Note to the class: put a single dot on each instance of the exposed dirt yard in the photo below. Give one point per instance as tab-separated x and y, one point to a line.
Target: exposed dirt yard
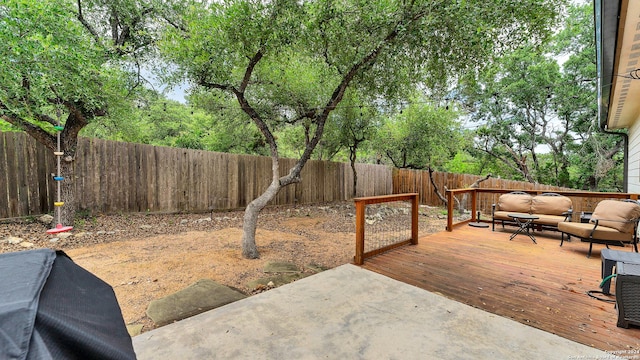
146	257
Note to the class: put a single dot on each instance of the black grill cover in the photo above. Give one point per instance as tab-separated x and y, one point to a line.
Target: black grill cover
51	308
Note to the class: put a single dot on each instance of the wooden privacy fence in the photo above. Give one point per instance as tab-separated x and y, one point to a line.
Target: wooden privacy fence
125	177
409	181
116	177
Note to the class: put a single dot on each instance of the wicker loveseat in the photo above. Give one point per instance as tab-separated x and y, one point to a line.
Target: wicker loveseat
613	222
550	208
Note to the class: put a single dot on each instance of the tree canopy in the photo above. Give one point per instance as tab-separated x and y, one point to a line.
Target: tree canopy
421	136
68	62
290	62
537	116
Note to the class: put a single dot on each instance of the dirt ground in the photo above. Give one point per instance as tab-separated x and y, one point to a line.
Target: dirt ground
146	257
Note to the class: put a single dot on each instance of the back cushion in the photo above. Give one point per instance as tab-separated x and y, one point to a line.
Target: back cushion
550	205
515	202
618	212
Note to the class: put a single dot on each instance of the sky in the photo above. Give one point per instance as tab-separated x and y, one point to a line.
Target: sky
177	93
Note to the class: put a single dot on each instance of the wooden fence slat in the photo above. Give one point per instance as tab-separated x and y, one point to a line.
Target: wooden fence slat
113	191
222	171
160	179
22	177
88	179
102	183
32	181
12	176
4	176
123	158
137	176
233	166
151	179
44	160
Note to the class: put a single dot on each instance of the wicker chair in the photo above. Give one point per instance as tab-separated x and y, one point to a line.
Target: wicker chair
613	222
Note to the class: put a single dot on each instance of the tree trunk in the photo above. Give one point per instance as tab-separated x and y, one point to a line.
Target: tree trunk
69	147
352	157
442	197
435	187
355	178
250	223
65	214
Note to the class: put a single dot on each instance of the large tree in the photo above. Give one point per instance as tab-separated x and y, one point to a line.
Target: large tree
69	62
538	114
291	62
597	160
515	106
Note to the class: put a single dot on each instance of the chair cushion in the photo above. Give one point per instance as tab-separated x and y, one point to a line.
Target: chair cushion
515	203
583	231
616	214
549	220
504	215
550	205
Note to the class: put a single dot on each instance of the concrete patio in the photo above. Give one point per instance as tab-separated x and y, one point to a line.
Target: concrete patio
352	313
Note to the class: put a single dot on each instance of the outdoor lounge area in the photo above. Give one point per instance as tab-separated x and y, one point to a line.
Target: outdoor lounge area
537	276
541	285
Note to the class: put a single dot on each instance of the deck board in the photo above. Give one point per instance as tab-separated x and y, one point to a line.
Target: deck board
541	285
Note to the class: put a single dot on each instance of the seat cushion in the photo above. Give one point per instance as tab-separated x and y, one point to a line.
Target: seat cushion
550	205
583	230
504	215
548	220
616	214
515	203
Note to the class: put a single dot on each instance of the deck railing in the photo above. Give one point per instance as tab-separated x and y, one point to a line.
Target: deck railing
361	234
480	200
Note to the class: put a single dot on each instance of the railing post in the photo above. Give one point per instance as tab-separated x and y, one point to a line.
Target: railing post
359	258
474	205
449	210
414	219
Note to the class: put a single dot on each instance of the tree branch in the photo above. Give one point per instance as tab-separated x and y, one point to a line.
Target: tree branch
521	163
36	132
244	103
476	184
223	87
86	24
177	26
501	158
125	34
46	118
614	150
435	187
395	164
249	71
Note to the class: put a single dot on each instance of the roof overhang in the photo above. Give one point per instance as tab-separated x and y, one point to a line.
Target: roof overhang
617	28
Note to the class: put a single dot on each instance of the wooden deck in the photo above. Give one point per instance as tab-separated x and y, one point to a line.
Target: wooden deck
541	285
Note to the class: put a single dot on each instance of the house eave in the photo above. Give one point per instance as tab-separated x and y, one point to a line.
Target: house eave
617	31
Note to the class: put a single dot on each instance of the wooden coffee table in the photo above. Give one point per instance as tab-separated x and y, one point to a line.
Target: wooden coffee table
524	225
